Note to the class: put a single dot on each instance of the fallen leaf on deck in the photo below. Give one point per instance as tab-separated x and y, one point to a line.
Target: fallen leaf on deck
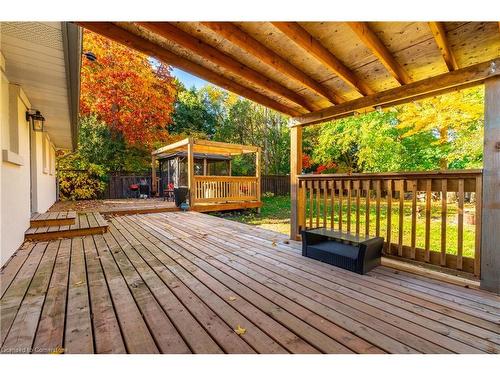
231	298
274	243
240	331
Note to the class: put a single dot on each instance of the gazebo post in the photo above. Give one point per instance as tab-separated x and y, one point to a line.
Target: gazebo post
490	235
190	152
257	174
295	170
154	183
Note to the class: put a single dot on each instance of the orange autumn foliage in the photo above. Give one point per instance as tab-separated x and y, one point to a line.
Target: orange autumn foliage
129	91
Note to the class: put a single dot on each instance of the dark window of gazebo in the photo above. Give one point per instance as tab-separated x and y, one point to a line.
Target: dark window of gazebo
218	167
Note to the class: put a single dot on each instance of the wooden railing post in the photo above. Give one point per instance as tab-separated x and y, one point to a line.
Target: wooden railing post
295	170
490	235
191	186
257	174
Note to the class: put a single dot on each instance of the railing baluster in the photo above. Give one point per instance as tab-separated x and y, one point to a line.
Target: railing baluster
341	196
349	197
377	209
444	214
357	186
389	216
428	198
325	198
413	217
311	196
317	188
331	184
401	216
366	185
460	229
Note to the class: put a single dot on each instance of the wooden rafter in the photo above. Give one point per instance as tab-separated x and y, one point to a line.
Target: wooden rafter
372	41
461	78
133	41
240	38
306	41
439	32
206	51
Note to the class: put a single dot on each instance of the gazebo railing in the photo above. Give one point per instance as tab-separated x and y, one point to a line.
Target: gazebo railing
429	217
209	189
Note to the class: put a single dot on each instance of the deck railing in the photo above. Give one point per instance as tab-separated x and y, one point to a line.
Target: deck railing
440	222
225	189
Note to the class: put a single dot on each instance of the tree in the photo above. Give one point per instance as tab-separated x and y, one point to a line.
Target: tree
129	91
455	119
435	133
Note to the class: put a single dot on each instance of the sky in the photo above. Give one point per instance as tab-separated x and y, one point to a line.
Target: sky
187	79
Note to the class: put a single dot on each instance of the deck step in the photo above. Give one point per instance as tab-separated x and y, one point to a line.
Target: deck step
50	219
84	224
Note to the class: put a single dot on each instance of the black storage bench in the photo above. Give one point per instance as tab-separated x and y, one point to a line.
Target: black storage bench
358	254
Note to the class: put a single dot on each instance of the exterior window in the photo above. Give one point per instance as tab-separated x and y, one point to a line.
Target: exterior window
198	167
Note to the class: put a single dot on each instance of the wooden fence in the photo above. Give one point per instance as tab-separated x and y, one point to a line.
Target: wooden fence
371	204
276	184
119	184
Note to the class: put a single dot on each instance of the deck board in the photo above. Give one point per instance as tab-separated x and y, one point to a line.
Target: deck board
178	282
80	224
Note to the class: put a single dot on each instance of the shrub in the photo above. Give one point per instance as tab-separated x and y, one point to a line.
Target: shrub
78	185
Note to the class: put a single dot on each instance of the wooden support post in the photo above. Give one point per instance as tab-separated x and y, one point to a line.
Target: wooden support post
154	180
490	235
295	170
191	187
257	174
205	170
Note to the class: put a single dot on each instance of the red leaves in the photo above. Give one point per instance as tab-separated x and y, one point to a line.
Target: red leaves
127	90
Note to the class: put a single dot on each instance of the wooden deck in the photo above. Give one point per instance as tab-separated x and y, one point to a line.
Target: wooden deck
188	282
82	224
49	219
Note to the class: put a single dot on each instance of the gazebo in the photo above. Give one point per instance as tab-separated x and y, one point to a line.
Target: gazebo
204	168
321	71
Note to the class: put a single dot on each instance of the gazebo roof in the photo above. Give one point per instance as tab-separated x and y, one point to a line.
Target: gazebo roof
316	71
202	146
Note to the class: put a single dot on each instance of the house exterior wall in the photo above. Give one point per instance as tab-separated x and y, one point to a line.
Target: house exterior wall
16	203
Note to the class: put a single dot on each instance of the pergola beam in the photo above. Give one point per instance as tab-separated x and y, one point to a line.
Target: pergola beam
465	77
212	54
372	41
306	41
439	32
120	35
247	43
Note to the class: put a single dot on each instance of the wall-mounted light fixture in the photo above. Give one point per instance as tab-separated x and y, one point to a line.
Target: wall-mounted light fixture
35	119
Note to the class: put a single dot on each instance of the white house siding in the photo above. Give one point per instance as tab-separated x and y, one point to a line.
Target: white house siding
15	204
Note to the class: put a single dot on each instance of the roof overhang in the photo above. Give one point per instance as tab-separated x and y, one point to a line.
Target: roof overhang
318	71
202	146
44	58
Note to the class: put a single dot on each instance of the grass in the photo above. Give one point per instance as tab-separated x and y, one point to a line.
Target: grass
275	215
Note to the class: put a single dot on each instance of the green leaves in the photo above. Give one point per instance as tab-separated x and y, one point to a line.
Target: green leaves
444	130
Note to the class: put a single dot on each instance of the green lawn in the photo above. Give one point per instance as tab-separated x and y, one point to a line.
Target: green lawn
275	215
